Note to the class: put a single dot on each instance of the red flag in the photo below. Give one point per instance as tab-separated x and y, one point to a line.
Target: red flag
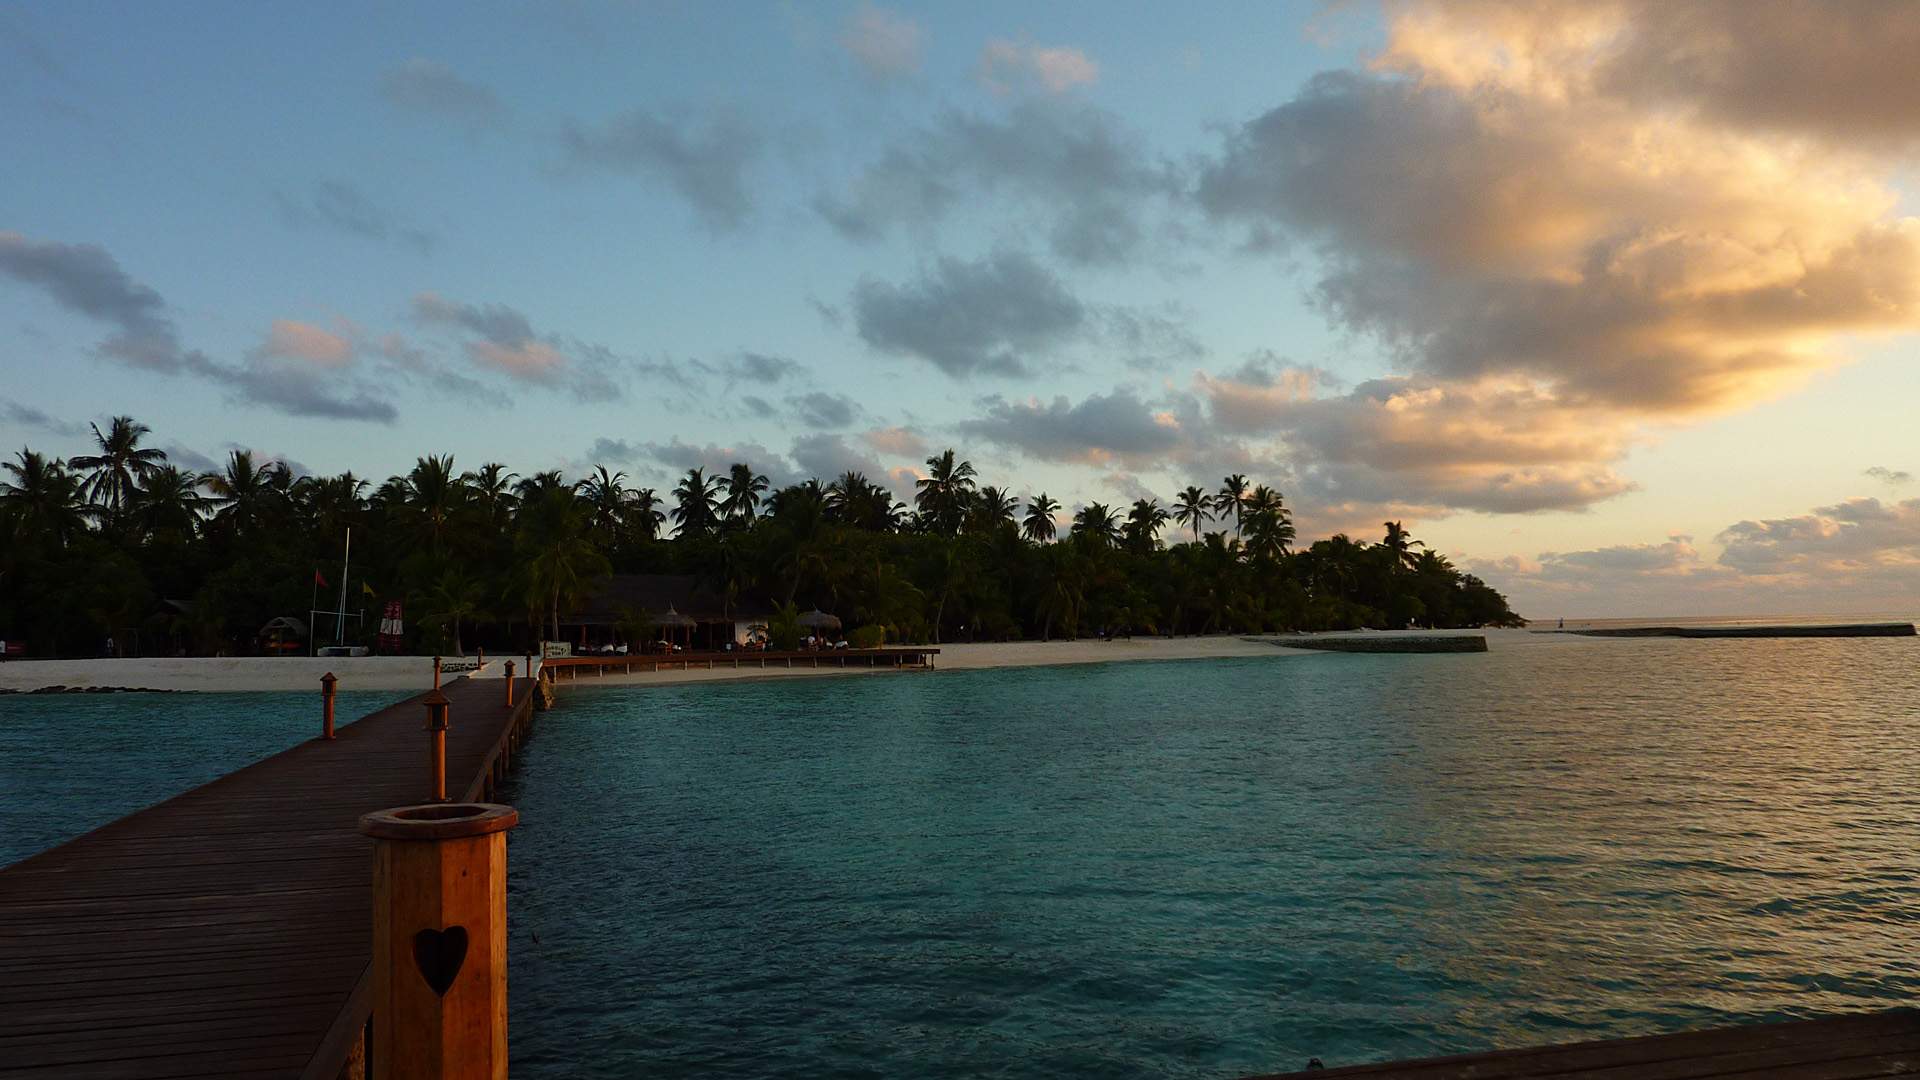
318	580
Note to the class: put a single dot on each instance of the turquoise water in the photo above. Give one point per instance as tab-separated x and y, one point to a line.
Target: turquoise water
73	762
1213	868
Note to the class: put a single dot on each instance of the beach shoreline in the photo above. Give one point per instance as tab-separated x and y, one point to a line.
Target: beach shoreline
270	673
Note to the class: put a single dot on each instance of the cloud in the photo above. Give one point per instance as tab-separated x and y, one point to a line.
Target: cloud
341	205
1006	69
431	89
501	339
884	45
1840	71
676	457
303	370
703	157
1079	170
1582	263
823	410
1889	476
190	459
762	368
86	280
1499	446
964	318
827	457
1097	430
1859	538
26	416
896	442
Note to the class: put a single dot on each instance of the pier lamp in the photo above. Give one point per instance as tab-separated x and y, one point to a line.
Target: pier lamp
327	682
437	705
509	684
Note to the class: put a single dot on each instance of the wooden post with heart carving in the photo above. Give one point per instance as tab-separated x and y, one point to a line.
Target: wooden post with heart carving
440	941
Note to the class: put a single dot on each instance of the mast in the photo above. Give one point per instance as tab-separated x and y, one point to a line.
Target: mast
340	623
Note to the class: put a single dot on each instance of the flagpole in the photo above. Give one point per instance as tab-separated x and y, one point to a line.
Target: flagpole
340	623
313	632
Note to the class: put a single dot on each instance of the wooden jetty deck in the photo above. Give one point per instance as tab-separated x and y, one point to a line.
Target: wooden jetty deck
571	667
227	931
1831	1048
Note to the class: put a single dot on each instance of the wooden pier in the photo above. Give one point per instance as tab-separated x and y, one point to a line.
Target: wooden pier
227	931
1831	1048
571	667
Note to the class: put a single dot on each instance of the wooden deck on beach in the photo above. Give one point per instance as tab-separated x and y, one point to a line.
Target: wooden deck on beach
1831	1048
571	667
227	931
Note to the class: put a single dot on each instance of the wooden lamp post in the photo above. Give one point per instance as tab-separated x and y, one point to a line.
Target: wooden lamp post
327	682
437	705
440	941
509	684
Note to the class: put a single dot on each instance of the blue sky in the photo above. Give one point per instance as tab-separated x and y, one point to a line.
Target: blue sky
1623	335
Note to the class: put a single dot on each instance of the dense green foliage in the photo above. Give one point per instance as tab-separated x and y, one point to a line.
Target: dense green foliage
123	545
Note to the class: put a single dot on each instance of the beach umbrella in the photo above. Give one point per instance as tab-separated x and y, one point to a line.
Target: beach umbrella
673	618
819	620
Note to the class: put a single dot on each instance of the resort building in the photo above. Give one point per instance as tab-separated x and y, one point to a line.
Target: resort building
634	609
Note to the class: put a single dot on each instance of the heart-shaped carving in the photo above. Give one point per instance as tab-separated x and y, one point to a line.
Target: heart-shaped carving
438	954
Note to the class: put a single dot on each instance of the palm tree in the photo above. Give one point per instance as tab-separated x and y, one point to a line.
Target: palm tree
991	508
643	513
430	500
1399	544
743	487
169	501
1232	499
608	498
455	598
1098	522
944	494
1193	507
247	495
47	497
559	559
1039	525
1269	523
854	500
694	508
1144	523
120	466
491	486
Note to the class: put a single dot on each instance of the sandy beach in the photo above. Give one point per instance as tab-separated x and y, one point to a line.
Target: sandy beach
229	674
968	657
222	674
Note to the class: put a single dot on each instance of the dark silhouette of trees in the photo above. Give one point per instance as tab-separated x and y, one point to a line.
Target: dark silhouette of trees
124	545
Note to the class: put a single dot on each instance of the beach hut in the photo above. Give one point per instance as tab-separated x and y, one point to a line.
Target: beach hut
673	620
283	633
817	621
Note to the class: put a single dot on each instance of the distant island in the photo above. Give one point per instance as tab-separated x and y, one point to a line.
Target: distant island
122	552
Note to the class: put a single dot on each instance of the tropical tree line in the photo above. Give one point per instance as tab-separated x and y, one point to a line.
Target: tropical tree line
124	545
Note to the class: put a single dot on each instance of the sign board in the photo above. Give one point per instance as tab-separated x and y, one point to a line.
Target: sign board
551	649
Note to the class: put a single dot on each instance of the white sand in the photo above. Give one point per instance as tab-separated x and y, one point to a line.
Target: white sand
976	656
213	675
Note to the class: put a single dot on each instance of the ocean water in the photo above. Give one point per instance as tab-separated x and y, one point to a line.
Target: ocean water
1214	868
73	762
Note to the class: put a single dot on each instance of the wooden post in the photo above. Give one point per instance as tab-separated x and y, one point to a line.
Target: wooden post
437	705
436	673
509	684
440	941
327	682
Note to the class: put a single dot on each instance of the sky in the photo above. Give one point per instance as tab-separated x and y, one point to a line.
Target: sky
1613	303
